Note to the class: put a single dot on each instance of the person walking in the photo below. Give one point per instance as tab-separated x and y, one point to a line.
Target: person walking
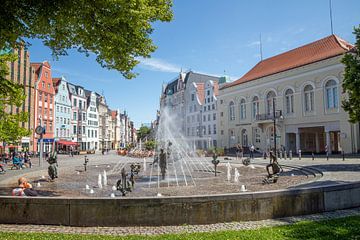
252	149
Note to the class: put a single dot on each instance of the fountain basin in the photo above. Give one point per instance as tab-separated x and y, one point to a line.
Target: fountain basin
178	210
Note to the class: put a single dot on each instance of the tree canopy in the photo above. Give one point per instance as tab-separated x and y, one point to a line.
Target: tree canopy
116	31
143	132
351	82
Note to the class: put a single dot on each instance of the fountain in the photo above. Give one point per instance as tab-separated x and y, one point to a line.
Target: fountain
99	181
228	167
105	178
236	175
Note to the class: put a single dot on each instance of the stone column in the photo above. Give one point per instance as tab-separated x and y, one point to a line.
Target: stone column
328	141
317	145
297	141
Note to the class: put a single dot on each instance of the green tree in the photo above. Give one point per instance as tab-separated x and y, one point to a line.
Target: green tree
150	145
351	83
11	97
116	31
143	132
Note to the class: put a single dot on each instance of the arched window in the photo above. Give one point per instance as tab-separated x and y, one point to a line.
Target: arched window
309	98
331	91
255	107
270	102
242	109
232	111
289	101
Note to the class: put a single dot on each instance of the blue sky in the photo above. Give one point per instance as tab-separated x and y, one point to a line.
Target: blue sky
208	36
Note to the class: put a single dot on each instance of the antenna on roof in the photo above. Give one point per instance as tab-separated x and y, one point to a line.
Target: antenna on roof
261	55
331	22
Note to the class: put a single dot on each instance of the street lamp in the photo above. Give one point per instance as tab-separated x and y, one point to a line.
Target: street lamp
274	121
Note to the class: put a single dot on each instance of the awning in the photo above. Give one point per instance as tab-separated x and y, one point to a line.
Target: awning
68	143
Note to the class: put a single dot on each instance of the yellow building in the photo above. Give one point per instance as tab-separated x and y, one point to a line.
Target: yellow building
302	88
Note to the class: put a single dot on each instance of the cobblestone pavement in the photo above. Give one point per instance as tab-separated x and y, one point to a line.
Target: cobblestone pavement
143	230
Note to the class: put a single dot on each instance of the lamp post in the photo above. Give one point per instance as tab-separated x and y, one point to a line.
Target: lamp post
274	122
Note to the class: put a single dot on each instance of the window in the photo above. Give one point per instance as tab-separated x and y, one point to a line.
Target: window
188	119
74	130
214	116
289	101
208	107
63	87
209	129
43	84
242	109
214	128
95	133
204	118
222	132
255	107
221	101
61	109
88	133
57	119
48	86
209	117
190	109
80	104
50	127
61	120
84	116
309	98
57	132
331	93
221	114
74	116
40	96
213	106
208	93
46	74
232	111
57	108
192	97
46	97
51	99
75	102
195	108
205	109
83	129
270	102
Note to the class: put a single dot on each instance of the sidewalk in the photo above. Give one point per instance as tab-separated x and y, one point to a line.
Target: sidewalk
144	230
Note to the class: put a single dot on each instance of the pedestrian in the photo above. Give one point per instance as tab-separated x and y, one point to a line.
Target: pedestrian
162	163
239	151
252	149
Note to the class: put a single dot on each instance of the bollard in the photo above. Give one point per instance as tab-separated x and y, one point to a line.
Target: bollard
264	155
312	155
343	155
299	154
285	155
290	154
327	156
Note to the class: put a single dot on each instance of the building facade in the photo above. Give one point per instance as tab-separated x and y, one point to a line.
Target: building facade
299	92
44	105
92	121
62	110
21	72
78	115
187	100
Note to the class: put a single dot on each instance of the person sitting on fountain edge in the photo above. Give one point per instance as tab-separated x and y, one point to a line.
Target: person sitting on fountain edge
24	189
162	163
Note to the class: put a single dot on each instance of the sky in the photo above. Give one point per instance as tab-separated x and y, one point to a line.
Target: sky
207	36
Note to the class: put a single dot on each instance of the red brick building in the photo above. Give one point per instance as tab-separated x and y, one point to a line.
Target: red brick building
44	104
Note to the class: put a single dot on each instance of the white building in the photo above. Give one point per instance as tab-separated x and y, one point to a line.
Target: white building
304	87
184	98
92	121
78	119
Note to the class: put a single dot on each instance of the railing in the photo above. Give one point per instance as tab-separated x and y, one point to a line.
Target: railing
266	116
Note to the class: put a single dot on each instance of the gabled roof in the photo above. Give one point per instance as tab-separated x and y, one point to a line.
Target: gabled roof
56	82
113	115
322	49
200	92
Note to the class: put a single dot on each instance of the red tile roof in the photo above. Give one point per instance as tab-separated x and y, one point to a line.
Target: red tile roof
200	92
113	115
56	82
322	49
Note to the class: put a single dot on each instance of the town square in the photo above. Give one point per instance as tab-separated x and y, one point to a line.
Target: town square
180	120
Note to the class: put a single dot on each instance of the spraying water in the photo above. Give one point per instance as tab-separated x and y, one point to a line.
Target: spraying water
105	178
99	181
181	159
228	167
236	175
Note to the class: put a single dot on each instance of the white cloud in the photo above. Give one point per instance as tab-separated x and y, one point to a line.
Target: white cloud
159	65
255	43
